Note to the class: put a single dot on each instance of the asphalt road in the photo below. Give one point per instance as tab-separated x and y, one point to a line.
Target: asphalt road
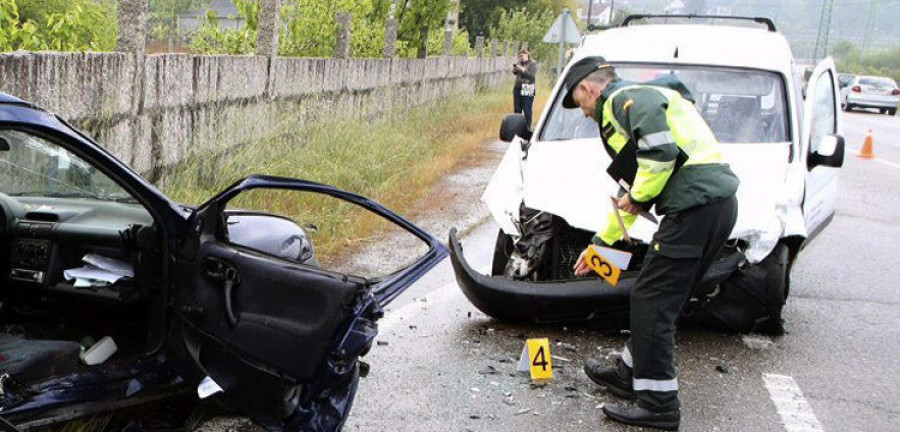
443	366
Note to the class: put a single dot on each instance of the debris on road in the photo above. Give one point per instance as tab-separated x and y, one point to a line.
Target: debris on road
567	346
382	343
757	342
562	359
722	369
524	411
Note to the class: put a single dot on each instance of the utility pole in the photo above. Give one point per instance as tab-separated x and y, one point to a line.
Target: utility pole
590	13
869	27
821	49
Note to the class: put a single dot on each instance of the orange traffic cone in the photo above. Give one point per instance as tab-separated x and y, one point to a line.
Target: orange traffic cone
866	151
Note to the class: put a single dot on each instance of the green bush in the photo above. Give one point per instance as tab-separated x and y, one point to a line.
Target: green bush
850	59
526	25
72	25
308	29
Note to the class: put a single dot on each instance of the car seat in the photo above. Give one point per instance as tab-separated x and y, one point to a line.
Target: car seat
28	360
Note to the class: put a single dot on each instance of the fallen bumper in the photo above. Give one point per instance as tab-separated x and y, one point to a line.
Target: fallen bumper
587	299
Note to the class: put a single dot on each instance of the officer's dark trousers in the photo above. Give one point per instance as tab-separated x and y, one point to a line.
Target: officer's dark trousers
682	250
523	104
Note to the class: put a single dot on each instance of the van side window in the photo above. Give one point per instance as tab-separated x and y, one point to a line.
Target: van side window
824	116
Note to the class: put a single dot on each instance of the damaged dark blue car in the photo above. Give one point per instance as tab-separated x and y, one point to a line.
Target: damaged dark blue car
114	296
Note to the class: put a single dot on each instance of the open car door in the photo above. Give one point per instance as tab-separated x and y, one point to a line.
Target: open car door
822	146
278	335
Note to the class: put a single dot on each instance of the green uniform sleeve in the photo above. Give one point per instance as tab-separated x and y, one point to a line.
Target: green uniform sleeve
612	232
642	114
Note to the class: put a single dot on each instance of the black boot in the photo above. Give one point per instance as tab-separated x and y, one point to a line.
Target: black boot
616	379
637	416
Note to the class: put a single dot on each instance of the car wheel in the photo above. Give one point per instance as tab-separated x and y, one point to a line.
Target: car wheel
892	111
777	267
502	251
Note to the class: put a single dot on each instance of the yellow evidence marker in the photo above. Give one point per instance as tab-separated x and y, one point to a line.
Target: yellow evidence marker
604	266
536	359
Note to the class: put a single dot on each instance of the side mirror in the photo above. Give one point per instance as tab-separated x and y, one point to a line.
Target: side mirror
830	153
514	125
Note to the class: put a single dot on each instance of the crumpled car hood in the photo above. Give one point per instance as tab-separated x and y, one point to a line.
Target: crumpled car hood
568	179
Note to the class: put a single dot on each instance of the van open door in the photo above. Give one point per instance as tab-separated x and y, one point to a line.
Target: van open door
822	146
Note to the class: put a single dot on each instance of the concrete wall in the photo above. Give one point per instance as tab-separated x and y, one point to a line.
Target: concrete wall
152	112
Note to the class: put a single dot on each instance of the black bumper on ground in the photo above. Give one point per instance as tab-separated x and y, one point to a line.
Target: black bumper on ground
587	299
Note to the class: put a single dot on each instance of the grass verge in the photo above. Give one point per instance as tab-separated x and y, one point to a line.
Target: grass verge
395	161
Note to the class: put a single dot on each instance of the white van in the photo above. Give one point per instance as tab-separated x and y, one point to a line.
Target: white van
785	149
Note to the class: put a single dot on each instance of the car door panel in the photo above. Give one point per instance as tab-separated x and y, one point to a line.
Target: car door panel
279	336
285	313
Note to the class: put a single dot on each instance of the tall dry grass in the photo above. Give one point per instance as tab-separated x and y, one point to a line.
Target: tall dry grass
395	162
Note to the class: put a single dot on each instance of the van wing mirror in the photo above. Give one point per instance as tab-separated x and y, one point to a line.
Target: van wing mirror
830	153
514	125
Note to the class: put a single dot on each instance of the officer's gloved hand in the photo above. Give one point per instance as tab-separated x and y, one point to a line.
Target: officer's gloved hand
623	245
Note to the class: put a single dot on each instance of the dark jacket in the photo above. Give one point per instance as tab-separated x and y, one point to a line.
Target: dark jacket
526	76
643	112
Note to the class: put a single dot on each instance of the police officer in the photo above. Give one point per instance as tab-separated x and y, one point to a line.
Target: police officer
677	166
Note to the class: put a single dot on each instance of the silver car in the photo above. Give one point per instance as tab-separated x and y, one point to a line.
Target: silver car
871	92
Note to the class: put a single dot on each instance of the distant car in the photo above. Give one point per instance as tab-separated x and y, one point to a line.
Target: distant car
233	300
550	193
880	93
844	79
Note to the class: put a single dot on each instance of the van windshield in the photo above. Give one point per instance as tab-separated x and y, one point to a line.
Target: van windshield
740	106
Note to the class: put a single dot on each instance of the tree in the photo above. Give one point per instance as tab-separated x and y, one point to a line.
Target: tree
417	19
59	25
482	16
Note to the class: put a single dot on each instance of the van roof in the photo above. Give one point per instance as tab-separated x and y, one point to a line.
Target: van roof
692	44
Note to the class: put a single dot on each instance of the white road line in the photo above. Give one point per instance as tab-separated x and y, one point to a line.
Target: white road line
878	159
793	408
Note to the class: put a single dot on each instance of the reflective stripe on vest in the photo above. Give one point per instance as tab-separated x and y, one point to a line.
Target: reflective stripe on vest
686	128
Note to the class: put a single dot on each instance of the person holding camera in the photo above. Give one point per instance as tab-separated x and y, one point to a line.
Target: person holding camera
525	69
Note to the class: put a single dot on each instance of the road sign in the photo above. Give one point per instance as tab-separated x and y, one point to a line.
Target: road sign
563	30
536	359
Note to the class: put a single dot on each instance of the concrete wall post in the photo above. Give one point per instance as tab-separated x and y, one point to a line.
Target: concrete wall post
495	48
267	35
133	16
448	43
342	30
479	46
390	38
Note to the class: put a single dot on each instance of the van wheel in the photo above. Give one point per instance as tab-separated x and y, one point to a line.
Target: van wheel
777	267
502	251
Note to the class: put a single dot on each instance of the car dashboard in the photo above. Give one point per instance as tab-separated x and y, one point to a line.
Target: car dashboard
46	236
